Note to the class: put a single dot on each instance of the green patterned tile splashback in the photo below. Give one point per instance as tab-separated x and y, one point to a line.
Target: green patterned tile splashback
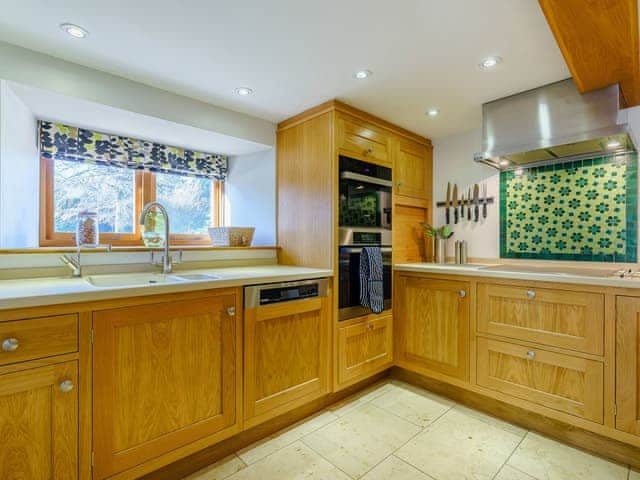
581	210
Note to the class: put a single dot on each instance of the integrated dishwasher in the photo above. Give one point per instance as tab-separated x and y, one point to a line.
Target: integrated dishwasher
287	343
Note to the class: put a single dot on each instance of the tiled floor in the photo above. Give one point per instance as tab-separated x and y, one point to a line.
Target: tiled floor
398	432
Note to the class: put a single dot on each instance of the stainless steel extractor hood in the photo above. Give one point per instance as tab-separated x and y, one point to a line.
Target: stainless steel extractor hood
551	124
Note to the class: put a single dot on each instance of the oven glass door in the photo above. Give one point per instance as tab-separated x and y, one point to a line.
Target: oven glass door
364	204
349	282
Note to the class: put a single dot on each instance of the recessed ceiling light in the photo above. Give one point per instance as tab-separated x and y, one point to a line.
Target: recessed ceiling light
74	30
243	91
362	74
504	162
433	112
490	62
613	144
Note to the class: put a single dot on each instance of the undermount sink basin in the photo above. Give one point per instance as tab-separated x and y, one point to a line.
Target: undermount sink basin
139	279
131	279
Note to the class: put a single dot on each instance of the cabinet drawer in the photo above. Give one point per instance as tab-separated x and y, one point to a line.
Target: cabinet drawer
364	348
564	319
562	382
363	142
38	338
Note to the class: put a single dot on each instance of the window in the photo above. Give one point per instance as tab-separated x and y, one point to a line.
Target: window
117	195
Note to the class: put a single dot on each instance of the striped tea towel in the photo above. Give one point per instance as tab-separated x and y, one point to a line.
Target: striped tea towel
371	287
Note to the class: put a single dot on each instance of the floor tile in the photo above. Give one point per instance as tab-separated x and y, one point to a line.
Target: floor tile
510	473
460	446
395	469
361	438
496	422
341	408
261	449
219	470
547	459
295	462
413	404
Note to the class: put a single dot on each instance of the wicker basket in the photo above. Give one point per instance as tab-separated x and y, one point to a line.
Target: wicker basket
231	236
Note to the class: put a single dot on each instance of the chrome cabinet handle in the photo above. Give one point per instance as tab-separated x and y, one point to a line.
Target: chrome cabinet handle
10	344
66	386
531	294
231	311
531	354
462	294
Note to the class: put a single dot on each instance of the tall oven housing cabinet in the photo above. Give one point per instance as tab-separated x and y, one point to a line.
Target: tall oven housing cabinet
323	204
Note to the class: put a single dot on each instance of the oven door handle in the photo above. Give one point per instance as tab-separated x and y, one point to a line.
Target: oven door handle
359	249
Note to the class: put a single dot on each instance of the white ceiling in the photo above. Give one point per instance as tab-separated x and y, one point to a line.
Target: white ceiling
297	53
46	105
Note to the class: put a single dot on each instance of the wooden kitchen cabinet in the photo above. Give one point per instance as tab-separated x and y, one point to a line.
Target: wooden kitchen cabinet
39	423
628	364
164	375
365	347
431	318
559	318
567	383
412	172
286	356
362	141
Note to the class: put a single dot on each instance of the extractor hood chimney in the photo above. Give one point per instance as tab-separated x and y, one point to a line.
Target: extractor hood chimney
551	124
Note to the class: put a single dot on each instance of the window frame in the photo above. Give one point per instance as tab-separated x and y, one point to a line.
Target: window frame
144	192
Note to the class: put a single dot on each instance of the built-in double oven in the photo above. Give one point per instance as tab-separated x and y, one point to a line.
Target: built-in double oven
364	220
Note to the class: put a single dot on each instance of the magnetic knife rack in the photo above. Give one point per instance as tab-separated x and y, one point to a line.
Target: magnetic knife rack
482	201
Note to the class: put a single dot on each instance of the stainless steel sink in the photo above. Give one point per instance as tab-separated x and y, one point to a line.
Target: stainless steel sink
132	279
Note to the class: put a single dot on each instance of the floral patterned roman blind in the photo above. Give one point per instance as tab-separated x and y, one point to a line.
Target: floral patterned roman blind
63	142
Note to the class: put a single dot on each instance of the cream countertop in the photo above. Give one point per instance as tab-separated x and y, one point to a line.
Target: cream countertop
601	276
34	292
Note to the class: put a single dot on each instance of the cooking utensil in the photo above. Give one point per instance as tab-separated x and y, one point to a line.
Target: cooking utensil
447	204
484	200
476	202
462	207
469	205
455	203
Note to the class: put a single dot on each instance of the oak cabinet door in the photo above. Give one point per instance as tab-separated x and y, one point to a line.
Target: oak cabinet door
286	354
432	326
361	141
39	423
364	348
563	382
412	169
164	375
628	364
559	318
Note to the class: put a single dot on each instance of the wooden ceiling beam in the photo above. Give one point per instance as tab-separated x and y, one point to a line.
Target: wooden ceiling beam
599	42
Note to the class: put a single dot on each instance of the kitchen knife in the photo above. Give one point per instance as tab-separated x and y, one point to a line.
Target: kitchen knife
469	205
447	204
462	207
476	201
484	200
455	203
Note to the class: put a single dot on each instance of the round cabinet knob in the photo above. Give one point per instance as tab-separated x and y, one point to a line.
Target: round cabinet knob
368	151
66	386
531	294
399	184
531	354
10	344
462	294
370	326
231	311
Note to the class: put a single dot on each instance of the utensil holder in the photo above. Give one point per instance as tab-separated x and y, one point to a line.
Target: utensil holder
439	250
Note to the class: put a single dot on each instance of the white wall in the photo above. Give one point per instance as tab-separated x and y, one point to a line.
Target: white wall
453	162
19	172
50	73
251	195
